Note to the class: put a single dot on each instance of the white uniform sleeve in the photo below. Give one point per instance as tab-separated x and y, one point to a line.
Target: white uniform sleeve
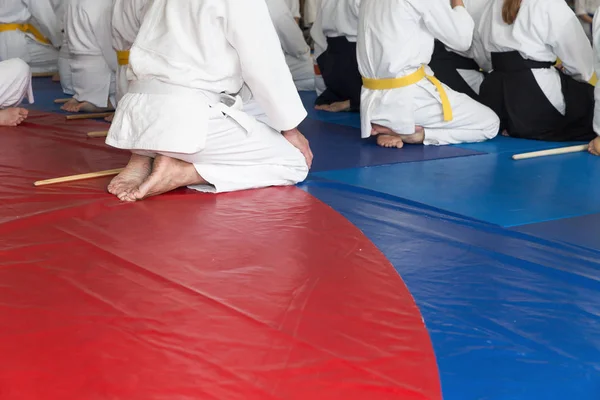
453	27
316	32
290	35
294	7
568	40
580	7
250	31
102	29
44	14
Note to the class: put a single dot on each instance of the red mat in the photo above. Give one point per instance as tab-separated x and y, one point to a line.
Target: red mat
265	294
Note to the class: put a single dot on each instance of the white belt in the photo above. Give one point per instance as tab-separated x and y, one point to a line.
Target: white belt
226	104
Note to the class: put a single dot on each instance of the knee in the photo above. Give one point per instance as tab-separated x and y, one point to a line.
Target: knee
490	122
19	69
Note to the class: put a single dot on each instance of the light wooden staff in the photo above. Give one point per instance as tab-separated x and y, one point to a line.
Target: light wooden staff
552	152
89	116
61	101
43	74
98	134
81	177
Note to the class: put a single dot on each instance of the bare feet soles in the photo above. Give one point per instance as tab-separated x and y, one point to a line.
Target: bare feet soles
388	138
13	116
594	147
335	107
134	174
142	178
75	106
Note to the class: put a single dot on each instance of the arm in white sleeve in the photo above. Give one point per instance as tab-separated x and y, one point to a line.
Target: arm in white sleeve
290	35
49	24
317	35
102	29
580	7
250	31
569	41
452	26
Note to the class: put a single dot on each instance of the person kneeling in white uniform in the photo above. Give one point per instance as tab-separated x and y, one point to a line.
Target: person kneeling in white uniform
93	60
183	118
594	147
15	86
296	50
29	30
401	101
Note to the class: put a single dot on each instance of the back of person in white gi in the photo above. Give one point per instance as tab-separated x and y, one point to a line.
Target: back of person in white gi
594	147
64	69
296	50
460	70
93	60
127	17
534	100
29	30
294	7
400	104
335	31
320	45
585	10
183	118
15	86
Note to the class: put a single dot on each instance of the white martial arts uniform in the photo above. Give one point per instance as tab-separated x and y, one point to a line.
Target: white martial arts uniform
64	67
15	83
474	78
294	7
311	8
339	18
41	57
175	107
296	50
92	58
127	18
586	7
396	38
596	39
320	45
543	31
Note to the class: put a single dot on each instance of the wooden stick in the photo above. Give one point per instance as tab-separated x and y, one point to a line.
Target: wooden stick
61	101
98	134
552	152
43	74
89	116
81	177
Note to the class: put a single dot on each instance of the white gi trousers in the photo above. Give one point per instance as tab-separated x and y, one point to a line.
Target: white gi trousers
231	158
40	57
15	83
64	68
472	121
303	72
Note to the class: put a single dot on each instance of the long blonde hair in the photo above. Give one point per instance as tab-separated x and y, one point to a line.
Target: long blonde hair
510	9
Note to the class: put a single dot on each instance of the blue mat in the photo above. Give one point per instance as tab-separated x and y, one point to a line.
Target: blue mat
510	316
502	144
491	187
45	92
337	147
579	231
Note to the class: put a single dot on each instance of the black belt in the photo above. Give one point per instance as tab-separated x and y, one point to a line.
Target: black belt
512	61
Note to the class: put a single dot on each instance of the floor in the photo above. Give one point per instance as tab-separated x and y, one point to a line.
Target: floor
419	273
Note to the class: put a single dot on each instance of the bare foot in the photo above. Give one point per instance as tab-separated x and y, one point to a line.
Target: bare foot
167	174
388	138
505	133
13	116
339	106
594	147
134	174
75	106
56	77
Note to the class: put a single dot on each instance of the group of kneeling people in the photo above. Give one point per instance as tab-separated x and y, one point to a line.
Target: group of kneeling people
206	97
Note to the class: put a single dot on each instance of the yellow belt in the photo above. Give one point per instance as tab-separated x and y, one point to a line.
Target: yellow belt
27	28
396	83
123	57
